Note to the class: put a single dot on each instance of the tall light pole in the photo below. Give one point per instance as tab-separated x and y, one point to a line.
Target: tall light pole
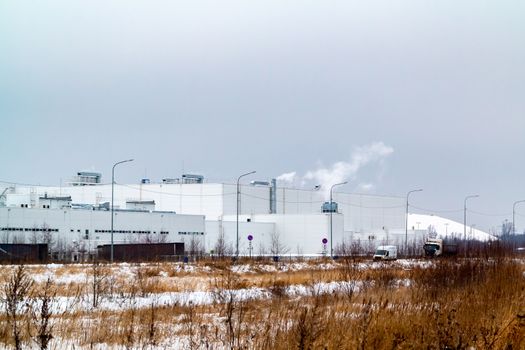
238	199
331	211
112	198
465	214
514	215
406	219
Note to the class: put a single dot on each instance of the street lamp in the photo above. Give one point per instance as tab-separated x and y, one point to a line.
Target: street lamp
465	214
112	198
331	211
406	219
514	215
238	199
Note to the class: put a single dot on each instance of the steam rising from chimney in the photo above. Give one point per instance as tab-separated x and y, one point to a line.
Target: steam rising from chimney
342	171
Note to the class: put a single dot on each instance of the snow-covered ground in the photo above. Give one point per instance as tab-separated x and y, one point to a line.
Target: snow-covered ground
446	227
201	293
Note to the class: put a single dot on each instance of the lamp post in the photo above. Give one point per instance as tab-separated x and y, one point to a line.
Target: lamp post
112	198
406	219
514	215
331	211
465	214
238	199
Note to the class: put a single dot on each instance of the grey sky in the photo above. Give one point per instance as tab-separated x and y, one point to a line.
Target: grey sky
276	86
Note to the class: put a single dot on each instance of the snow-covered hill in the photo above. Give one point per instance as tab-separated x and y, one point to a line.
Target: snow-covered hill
446	227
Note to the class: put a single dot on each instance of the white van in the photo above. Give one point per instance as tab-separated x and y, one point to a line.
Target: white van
386	252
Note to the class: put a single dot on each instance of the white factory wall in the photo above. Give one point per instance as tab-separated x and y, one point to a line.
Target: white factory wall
197	199
262	232
363	212
83	226
299	234
253	199
299	201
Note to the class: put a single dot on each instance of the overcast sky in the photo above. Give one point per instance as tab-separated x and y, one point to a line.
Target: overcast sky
390	95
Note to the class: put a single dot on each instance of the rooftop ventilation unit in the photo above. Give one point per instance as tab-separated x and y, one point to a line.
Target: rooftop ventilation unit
170	181
192	179
86	178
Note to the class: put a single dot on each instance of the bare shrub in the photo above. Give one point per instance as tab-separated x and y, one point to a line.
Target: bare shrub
277	247
221	248
152	324
42	312
231	307
99	277
191	320
15	292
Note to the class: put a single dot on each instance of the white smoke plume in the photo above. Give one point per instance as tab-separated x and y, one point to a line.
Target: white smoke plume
289	178
343	170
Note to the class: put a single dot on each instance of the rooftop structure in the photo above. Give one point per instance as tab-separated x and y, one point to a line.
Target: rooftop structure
86	178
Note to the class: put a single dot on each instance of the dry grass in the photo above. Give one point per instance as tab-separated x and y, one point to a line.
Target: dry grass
451	304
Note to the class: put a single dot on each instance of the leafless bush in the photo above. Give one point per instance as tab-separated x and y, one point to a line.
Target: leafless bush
221	248
231	307
99	277
42	312
15	293
277	247
152	324
190	323
195	246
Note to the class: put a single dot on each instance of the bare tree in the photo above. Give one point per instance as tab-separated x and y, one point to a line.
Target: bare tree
47	236
233	308
220	247
506	228
261	250
18	238
190	322
276	245
152	323
195	246
5	236
99	276
15	292
33	239
41	316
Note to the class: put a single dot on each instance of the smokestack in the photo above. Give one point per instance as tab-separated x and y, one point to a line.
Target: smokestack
273	197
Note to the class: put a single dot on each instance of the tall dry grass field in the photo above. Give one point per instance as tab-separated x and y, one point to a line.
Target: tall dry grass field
474	303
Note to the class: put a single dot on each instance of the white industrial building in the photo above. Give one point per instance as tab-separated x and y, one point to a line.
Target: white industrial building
70	231
279	219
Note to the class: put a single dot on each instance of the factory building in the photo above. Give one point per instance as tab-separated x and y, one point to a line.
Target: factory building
81	231
278	219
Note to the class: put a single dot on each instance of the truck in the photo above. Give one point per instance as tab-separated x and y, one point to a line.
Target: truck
386	252
435	247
